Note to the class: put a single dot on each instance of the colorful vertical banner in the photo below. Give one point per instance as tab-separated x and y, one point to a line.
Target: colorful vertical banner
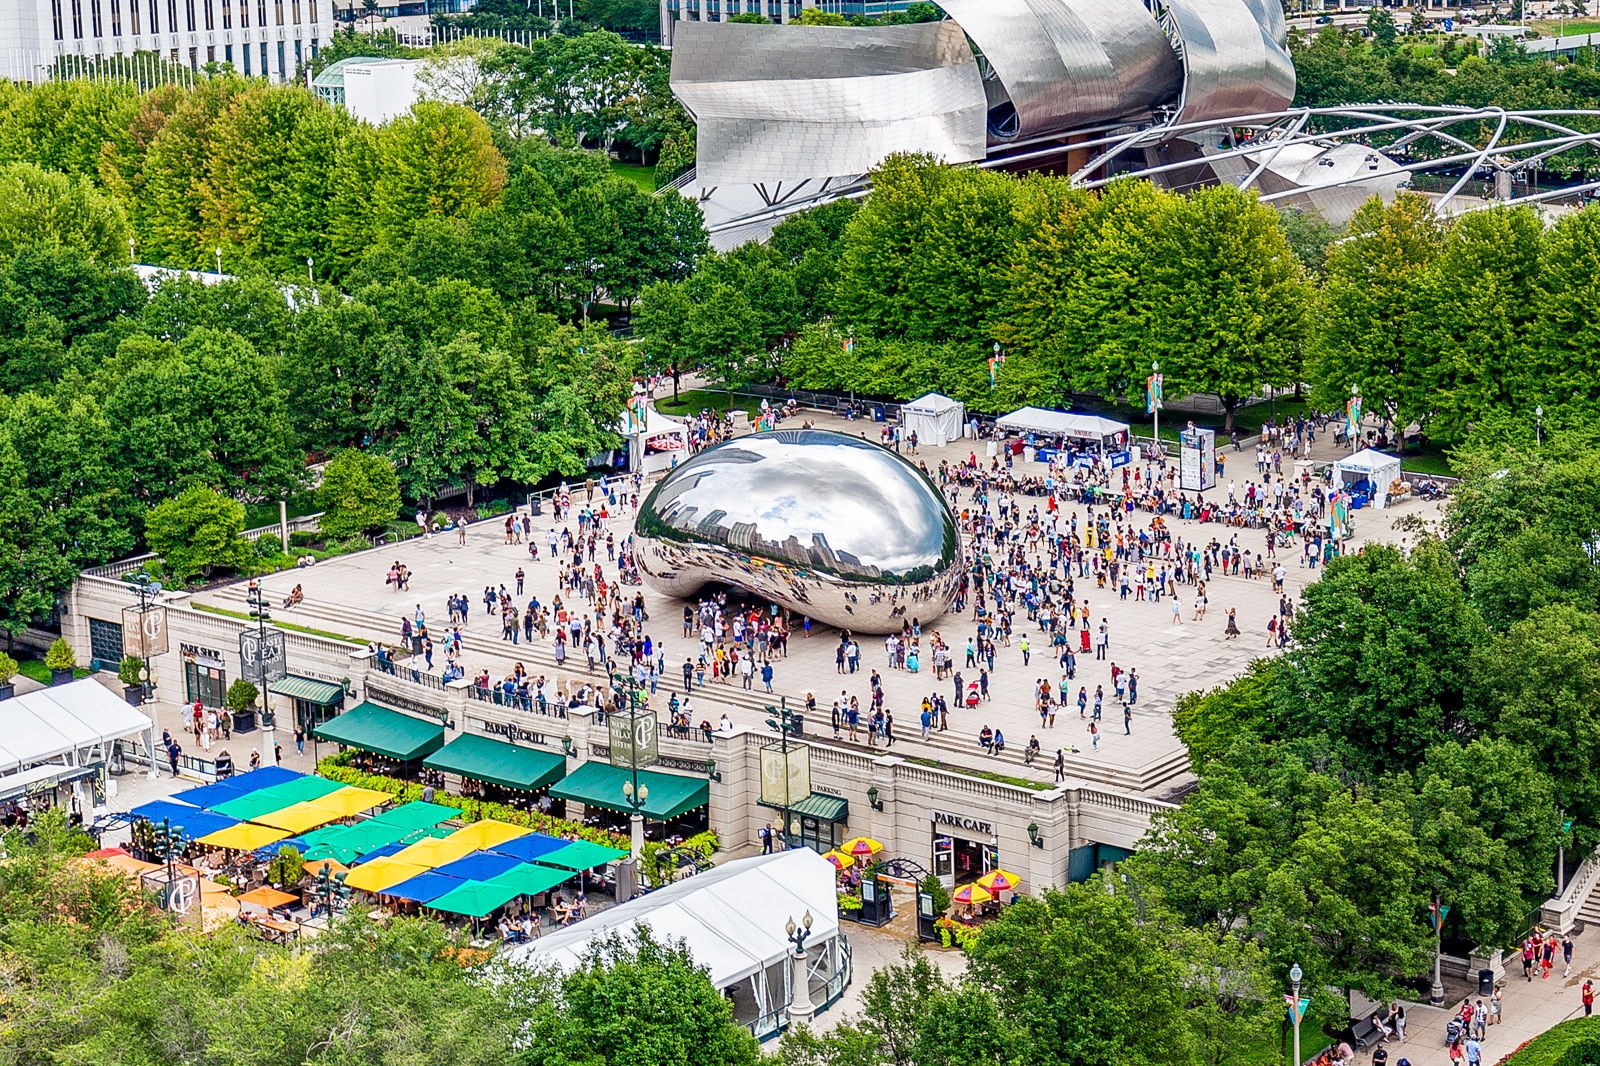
1353	417
1152	394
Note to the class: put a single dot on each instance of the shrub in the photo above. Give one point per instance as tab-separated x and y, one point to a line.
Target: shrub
8	668
60	656
129	671
197	531
268	546
356	543
286	867
953	932
1570	1043
304	539
941	898
241	695
359	491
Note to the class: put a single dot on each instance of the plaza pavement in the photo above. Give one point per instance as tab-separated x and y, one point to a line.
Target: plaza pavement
347	595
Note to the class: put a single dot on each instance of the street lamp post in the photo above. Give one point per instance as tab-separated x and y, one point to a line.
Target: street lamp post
309	275
637	795
1538	425
331	887
800	1008
147	590
1437	913
1155	404
1295	975
785	725
261	612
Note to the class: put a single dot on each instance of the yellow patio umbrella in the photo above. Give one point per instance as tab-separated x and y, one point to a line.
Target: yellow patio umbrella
972	894
379	874
244	836
861	847
840	860
1000	881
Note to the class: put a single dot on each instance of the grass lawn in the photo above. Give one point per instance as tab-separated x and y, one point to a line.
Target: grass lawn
691	401
1279	1049
642	176
1569	28
281	625
265	513
38	671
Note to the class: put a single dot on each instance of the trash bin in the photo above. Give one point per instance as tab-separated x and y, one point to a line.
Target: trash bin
536	508
878	414
798	722
1485	982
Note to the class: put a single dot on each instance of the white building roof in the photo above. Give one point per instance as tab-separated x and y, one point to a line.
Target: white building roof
64	719
932	404
732	917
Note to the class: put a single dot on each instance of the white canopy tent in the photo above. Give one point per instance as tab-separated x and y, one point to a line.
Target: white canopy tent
660	443
937	420
732	918
71	725
1369	465
1062	424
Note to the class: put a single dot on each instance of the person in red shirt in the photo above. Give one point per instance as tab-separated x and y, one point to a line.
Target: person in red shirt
1588	997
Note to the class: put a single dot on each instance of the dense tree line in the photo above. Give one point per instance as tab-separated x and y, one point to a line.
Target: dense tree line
443	322
1425	738
1440	323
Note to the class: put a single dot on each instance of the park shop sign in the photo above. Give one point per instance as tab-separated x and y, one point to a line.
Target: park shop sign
972	825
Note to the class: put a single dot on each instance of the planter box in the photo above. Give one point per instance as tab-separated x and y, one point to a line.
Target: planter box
60	677
7	690
244	722
134	694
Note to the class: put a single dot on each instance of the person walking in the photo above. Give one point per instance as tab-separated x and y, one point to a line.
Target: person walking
765	833
1061	766
299	740
1232	630
1127	719
1566	953
1094	736
1588	997
1527	958
1133	687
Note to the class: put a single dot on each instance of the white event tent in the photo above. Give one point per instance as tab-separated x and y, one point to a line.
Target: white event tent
937	420
72	725
1062	424
732	919
1381	469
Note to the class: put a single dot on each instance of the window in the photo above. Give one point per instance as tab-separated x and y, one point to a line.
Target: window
155	17
194	59
211	53
172	22
278	10
261	10
189	7
227	14
312	11
280	61
264	71
297	56
210	16
116	18
94	18
296	12
105	643
133	17
55	12
244	49
227	54
77	19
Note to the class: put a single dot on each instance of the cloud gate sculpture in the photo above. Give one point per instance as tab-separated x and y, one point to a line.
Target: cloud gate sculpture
791	116
827	525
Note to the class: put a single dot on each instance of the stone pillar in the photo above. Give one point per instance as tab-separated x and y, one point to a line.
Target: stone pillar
800	1008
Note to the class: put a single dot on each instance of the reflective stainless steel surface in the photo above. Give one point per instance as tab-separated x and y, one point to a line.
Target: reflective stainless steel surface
1233	62
1065	64
828	525
787	104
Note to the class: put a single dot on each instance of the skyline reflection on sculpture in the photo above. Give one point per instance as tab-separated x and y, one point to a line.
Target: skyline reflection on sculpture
829	525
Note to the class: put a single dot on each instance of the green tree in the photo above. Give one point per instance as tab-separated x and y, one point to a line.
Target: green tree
439	160
1541	682
38	207
196	532
1477	303
32	571
635	1000
1211	723
1383	646
1366	329
358	491
1089	982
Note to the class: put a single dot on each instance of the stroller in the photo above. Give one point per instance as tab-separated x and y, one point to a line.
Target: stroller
1455	1029
972	694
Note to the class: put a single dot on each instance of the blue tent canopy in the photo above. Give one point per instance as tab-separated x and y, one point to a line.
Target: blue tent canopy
424	888
379	853
231	788
530	847
479	866
195	822
271	850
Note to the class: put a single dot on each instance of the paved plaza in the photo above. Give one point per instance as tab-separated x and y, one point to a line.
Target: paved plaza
348	596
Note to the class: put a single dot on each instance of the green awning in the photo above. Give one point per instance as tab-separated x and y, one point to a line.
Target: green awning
277	797
822	808
498	763
475	898
383	732
324	693
581	855
416	815
530	880
599	784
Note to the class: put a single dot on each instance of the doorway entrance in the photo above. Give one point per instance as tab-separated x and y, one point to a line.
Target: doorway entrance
959	861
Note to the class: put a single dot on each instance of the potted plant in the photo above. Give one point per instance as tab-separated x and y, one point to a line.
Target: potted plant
131	673
8	670
60	661
240	701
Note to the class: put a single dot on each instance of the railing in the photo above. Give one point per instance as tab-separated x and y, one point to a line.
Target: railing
529	704
414	675
1145	808
1562	912
296	525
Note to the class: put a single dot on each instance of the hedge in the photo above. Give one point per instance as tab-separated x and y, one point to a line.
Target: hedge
1570	1043
334	768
